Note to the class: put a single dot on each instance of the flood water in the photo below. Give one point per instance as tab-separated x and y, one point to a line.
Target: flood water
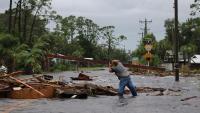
144	103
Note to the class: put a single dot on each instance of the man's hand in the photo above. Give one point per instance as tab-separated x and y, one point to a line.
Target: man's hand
109	66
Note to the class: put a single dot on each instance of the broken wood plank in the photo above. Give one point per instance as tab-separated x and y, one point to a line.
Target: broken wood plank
28	93
188	98
12	74
17	80
40	79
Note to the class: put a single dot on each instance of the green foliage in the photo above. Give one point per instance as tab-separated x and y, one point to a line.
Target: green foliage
163	46
189	40
78	52
141	51
195	7
3	21
60	67
110	40
156	60
189	48
8	43
30	41
190	31
30	57
19	56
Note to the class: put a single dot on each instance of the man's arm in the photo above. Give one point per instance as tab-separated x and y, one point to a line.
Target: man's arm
110	67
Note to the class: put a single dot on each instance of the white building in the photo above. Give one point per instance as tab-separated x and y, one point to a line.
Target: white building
195	59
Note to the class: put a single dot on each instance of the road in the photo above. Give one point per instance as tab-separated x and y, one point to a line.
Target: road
144	103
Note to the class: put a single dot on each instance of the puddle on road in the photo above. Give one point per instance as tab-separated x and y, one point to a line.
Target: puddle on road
148	101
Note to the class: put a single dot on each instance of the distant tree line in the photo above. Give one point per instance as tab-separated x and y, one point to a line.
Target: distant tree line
25	40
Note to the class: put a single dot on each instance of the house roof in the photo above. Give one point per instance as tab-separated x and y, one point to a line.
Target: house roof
195	59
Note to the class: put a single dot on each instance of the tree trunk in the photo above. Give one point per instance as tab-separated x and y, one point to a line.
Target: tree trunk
109	48
19	21
10	17
25	23
32	26
15	18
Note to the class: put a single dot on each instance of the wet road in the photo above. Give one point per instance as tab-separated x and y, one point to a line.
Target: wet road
189	86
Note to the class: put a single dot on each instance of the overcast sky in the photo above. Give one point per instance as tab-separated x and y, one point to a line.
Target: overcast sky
123	14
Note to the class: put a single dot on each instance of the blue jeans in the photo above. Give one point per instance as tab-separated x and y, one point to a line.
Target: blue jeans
126	81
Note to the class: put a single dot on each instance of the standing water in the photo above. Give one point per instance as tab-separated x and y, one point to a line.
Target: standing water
144	103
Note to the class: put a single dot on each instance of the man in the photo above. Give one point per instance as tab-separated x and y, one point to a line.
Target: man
123	75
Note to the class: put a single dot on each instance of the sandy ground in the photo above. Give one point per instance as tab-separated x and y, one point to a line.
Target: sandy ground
144	103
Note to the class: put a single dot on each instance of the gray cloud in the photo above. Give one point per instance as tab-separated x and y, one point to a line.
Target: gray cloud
124	15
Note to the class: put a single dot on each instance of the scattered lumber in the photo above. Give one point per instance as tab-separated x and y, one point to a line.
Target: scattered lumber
188	98
149	89
30	93
41	87
12	74
71	93
19	81
100	90
82	76
39	77
81	90
48	77
4	89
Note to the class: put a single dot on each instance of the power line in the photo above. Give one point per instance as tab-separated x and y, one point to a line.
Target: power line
145	25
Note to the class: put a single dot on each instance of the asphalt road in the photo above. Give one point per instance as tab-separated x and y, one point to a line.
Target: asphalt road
144	103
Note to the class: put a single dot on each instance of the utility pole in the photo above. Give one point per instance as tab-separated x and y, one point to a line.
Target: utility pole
176	40
145	25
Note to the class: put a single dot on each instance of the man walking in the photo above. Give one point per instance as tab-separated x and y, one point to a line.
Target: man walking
124	77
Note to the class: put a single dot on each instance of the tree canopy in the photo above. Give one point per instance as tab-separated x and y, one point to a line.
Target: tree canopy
25	40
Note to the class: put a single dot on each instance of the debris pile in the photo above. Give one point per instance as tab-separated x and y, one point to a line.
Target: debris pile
43	86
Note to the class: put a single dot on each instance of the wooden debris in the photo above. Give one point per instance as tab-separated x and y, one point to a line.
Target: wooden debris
17	80
41	87
4	89
100	90
12	74
40	78
89	89
48	77
70	93
149	89
29	93
82	76
188	98
158	91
